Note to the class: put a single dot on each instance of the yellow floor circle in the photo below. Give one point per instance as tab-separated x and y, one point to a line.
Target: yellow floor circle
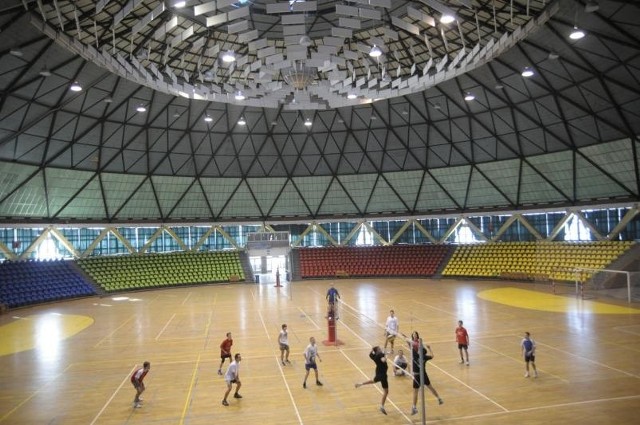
40	331
533	300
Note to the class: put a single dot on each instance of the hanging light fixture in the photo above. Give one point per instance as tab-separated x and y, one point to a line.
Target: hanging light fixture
141	108
75	87
308	122
305	41
179	4
527	72
447	18
208	118
469	97
228	56
352	96
242	121
576	34
239	95
44	72
375	52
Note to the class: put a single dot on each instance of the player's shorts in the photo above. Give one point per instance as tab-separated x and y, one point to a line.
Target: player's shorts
529	358
462	346
284	347
225	356
416	380
311	365
233	381
137	385
383	380
390	336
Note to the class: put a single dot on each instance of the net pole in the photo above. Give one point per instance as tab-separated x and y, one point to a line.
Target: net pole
423	405
629	287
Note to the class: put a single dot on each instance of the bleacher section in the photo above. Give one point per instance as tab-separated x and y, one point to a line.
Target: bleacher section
123	273
533	260
397	260
32	282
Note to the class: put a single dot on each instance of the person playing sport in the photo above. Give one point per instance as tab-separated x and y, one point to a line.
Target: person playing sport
137	381
283	341
225	351
391	330
378	357
400	364
232	376
310	354
529	352
462	338
427	355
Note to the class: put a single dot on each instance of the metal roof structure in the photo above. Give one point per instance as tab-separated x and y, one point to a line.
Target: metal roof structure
156	132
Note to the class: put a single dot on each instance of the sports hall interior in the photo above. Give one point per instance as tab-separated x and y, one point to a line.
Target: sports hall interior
172	171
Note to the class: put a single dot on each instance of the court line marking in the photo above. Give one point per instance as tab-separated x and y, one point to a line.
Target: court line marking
113	395
165	326
309	317
532	409
110	334
194	380
588	360
187	297
284	378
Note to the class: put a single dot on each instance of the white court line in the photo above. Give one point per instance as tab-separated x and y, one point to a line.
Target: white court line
284	379
309	317
113	395
110	334
165	326
533	409
589	360
186	298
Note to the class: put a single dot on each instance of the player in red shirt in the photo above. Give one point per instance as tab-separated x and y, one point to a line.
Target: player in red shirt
462	338
137	382
225	351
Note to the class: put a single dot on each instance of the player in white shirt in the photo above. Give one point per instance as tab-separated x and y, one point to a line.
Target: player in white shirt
283	340
232	376
310	354
391	330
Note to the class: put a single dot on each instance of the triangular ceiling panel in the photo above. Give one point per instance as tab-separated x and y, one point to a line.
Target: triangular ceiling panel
432	197
557	167
406	184
594	183
87	204
218	191
314	189
142	205
118	188
504	175
62	186
170	190
242	204
192	205
290	203
337	201
266	190
384	200
359	188
483	192
29	200
534	188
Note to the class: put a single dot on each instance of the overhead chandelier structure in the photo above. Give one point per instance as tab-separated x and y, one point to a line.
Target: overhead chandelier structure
338	54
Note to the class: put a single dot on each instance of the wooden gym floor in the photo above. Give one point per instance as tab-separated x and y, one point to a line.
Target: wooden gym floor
70	362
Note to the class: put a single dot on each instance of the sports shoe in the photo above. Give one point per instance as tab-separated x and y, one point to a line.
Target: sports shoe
236	395
304	384
461	361
414	411
225	403
219	371
535	374
440	401
467	363
137	405
288	362
358	385
526	374
284	364
384	412
318	383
